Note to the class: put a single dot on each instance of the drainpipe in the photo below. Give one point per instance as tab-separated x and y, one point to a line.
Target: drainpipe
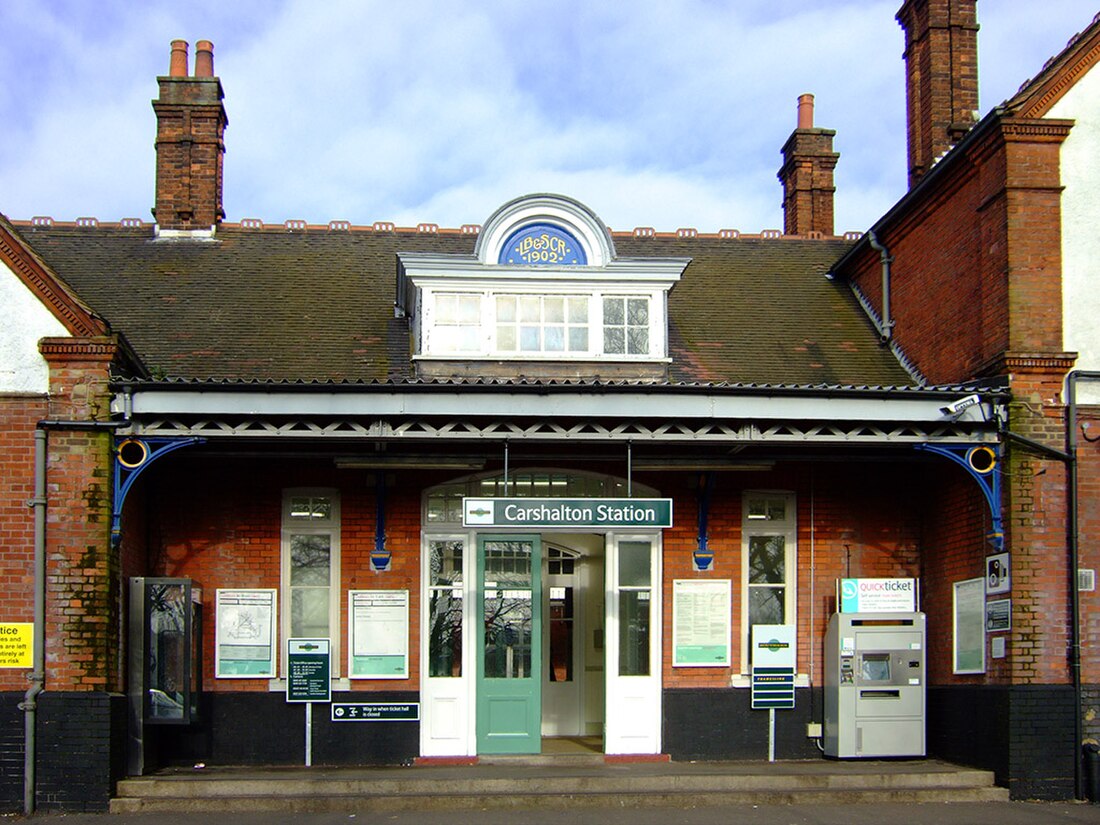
1075	599
37	677
886	330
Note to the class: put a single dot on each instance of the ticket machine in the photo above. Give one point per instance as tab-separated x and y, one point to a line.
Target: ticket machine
875	685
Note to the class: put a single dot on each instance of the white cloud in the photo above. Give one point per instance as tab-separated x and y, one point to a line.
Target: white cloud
662	113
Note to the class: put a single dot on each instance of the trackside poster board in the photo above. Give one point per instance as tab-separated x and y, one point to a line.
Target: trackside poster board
245	647
701	622
378	634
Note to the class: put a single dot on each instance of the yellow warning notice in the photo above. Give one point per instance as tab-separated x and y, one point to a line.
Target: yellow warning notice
16	641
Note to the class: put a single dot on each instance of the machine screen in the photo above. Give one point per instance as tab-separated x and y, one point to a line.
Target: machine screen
875	667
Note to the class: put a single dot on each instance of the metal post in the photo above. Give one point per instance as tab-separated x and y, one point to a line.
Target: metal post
309	734
771	734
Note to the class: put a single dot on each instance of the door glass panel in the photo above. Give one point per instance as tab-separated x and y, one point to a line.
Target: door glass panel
309	560
446	563
634	564
508	618
309	612
310	569
767	555
508	563
507	634
445	608
445	634
634	633
561	634
766	605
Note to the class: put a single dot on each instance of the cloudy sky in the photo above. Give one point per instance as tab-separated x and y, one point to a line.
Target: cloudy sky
663	113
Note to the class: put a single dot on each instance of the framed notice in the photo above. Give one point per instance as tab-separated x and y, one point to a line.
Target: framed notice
969	623
378	634
998	615
701	622
245	645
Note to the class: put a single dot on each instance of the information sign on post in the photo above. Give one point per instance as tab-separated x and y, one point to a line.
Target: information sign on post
309	669
774	661
773	666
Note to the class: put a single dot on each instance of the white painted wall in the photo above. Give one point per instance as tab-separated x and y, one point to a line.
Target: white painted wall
1081	227
25	321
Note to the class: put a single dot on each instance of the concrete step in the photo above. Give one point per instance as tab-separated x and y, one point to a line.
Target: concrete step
507	786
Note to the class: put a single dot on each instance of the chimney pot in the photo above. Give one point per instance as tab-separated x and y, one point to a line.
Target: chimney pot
805	111
204	59
177	63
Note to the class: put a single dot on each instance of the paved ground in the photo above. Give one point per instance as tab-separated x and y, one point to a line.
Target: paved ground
988	813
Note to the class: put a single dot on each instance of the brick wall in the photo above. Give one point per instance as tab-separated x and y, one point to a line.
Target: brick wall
236	540
854	519
18	417
977	255
1088	545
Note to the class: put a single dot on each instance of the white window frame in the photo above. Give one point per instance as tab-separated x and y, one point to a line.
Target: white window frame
331	528
788	529
488	348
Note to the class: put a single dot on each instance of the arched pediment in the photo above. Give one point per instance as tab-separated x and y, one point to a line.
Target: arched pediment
547	230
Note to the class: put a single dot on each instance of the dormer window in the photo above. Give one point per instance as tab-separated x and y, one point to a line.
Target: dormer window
508	324
544	284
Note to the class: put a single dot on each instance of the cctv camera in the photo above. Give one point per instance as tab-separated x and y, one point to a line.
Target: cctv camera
956	408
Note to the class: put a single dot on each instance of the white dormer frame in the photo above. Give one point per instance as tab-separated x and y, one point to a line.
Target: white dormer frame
424	276
570	215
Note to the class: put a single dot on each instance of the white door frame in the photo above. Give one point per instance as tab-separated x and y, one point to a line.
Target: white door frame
633	703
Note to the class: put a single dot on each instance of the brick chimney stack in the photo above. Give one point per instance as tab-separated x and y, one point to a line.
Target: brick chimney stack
190	143
807	175
941	77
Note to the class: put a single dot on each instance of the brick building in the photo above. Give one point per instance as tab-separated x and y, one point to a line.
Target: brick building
307	422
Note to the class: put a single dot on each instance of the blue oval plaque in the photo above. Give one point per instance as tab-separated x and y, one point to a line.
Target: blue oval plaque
542	244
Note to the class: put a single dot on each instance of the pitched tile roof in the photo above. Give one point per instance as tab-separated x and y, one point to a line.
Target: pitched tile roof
317	304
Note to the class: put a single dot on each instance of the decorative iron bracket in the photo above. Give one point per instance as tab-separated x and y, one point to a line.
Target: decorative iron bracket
703	557
380	557
132	456
983	462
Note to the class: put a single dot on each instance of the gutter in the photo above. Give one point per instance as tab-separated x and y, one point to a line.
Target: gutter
886	328
37	676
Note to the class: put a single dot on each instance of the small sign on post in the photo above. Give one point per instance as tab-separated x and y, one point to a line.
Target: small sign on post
309	668
774	662
309	679
773	666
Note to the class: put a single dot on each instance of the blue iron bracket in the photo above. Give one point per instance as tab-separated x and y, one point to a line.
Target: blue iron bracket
380	557
703	557
132	456
983	462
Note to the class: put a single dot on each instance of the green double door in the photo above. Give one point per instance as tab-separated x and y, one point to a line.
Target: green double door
509	639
